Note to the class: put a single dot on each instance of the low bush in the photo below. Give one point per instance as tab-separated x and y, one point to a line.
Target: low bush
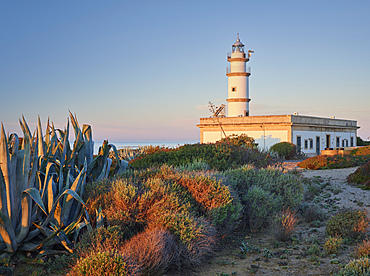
361	176
261	205
271	185
102	263
363	249
360	267
152	249
333	162
285	150
312	212
219	156
284	224
361	151
100	240
242	140
332	244
348	224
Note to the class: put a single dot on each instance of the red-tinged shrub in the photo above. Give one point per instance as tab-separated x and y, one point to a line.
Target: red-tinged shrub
361	151
333	162
152	249
363	250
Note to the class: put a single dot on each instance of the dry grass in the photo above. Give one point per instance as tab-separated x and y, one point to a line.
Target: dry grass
284	224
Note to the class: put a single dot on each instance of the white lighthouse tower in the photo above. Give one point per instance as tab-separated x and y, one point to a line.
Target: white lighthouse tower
238	81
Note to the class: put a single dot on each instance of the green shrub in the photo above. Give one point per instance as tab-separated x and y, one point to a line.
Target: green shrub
287	186
312	212
101	263
195	165
285	150
313	250
360	267
332	244
219	156
261	205
361	176
348	224
241	179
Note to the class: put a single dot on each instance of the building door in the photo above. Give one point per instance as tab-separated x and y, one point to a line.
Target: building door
327	141
299	144
318	145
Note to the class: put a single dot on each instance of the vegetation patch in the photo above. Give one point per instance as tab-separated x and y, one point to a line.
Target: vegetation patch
348	224
334	162
285	150
361	176
219	156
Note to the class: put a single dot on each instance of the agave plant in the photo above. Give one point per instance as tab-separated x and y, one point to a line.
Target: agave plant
42	182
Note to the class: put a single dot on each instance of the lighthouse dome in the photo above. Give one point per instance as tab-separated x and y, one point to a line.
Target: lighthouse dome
238	43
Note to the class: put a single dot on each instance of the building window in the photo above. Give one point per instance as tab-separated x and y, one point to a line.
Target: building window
343	143
233	89
305	144
311	143
351	141
338	142
299	144
346	143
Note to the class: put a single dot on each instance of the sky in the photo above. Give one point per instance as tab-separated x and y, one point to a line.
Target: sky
146	70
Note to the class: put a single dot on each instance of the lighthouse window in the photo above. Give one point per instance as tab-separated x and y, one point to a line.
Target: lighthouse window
233	89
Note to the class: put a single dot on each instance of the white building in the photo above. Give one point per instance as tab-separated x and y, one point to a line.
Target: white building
309	134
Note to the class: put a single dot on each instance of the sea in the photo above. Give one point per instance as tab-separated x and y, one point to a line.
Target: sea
135	145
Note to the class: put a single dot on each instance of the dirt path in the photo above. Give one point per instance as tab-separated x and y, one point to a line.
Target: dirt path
292	258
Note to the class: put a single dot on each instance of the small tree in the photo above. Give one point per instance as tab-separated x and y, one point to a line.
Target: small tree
284	149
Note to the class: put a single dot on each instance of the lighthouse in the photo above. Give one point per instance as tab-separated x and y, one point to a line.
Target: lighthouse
238	81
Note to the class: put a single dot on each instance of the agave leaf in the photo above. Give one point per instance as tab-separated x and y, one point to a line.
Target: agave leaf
48	234
3	195
40	144
66	192
50	185
35	195
65	145
25	129
89	143
48	176
75	125
121	164
78	182
6	171
7	233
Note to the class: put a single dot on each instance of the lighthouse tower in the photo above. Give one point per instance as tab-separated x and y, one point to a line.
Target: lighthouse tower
238	81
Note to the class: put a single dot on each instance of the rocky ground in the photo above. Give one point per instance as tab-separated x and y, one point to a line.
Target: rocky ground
304	254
